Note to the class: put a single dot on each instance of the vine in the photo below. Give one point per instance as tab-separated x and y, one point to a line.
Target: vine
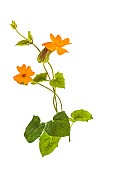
51	132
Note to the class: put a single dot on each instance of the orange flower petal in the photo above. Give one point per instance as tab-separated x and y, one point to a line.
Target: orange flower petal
56	44
18	78
64	42
24	75
52	37
29	72
61	51
58	39
50	46
27	79
21	69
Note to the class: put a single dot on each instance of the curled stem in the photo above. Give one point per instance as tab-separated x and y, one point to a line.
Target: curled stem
54	89
46	71
54	97
52	92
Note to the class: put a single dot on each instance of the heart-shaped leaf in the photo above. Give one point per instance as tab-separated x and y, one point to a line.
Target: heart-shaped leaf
81	115
39	78
59	81
47	144
60	125
34	129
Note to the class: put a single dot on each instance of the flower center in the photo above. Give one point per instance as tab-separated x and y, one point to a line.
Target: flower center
23	75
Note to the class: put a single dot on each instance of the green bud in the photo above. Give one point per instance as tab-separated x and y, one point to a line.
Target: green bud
13	25
30	38
44	55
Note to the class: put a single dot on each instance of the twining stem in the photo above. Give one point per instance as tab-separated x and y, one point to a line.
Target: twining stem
46	72
51	69
52	92
54	89
27	39
54	103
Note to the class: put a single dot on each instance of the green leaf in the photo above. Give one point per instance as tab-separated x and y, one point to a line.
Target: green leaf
30	38
34	129
44	55
23	43
13	25
81	115
47	144
40	77
59	81
60	125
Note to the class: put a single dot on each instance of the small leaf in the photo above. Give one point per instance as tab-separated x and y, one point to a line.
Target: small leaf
40	77
13	25
59	81
81	115
30	38
34	129
44	55
60	125
23	43
47	144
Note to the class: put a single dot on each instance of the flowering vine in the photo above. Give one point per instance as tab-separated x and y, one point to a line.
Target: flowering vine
51	132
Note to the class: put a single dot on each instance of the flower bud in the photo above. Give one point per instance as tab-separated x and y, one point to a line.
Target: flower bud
44	55
13	25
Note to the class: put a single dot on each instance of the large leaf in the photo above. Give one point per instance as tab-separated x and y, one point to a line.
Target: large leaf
47	144
34	129
60	125
23	43
59	81
40	77
81	115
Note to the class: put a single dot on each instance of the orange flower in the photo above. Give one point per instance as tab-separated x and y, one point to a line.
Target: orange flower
24	76
57	44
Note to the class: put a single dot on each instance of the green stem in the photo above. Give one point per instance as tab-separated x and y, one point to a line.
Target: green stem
54	98
51	69
35	47
20	34
54	89
52	92
70	131
46	72
27	39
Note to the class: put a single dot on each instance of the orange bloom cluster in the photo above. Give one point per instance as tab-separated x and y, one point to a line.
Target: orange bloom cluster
24	76
57	44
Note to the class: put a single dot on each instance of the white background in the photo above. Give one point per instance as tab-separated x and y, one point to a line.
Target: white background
88	70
